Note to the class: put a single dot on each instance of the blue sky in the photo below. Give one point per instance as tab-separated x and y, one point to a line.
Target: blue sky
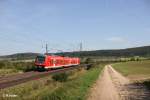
26	25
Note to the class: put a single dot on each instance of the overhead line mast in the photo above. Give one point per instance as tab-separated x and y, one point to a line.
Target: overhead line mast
46	49
81	46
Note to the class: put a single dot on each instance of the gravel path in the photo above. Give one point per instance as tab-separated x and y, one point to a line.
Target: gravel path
111	85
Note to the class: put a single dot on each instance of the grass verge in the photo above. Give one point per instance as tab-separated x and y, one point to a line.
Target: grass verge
75	88
7	72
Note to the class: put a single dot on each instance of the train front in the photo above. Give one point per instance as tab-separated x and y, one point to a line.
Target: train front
40	62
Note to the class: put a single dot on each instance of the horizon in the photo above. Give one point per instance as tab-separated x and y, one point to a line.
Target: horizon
27	25
76	51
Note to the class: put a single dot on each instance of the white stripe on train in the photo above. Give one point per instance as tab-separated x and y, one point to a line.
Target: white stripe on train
60	66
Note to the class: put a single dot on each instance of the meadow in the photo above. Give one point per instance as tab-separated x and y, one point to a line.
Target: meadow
137	71
134	68
11	68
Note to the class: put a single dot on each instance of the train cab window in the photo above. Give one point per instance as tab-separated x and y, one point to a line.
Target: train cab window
40	59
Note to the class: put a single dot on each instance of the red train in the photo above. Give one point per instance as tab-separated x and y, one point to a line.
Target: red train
49	62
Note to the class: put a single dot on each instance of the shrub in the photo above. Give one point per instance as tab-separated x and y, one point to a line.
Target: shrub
89	61
147	84
61	77
2	64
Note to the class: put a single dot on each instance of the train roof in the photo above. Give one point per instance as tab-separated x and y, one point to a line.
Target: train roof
56	56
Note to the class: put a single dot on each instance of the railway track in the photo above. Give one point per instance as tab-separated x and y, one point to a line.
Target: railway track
10	81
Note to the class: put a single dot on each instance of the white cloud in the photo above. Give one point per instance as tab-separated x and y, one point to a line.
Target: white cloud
116	39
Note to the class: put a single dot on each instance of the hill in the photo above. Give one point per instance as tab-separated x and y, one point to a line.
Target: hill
20	56
129	52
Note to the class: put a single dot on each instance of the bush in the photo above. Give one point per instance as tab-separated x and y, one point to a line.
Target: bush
2	64
147	84
61	77
89	66
89	61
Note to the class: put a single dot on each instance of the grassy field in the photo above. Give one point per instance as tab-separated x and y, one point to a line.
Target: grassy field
137	70
10	68
134	69
75	88
7	72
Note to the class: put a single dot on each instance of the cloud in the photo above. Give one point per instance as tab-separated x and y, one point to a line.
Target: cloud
116	39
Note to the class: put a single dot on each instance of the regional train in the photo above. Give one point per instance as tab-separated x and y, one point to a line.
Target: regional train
45	62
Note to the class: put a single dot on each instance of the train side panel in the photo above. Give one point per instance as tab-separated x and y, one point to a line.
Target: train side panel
49	62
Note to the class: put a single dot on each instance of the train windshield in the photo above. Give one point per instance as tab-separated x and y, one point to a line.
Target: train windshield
40	59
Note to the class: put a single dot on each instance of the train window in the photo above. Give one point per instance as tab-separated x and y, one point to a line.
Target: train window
40	59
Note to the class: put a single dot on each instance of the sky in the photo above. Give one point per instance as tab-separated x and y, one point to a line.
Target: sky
27	25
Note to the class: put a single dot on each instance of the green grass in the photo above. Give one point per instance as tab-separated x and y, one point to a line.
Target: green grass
75	88
30	90
134	68
23	66
10	68
4	72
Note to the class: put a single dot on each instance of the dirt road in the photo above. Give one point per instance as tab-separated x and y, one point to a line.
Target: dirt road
111	85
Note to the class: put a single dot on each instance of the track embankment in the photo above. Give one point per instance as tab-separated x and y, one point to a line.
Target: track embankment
9	81
111	85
